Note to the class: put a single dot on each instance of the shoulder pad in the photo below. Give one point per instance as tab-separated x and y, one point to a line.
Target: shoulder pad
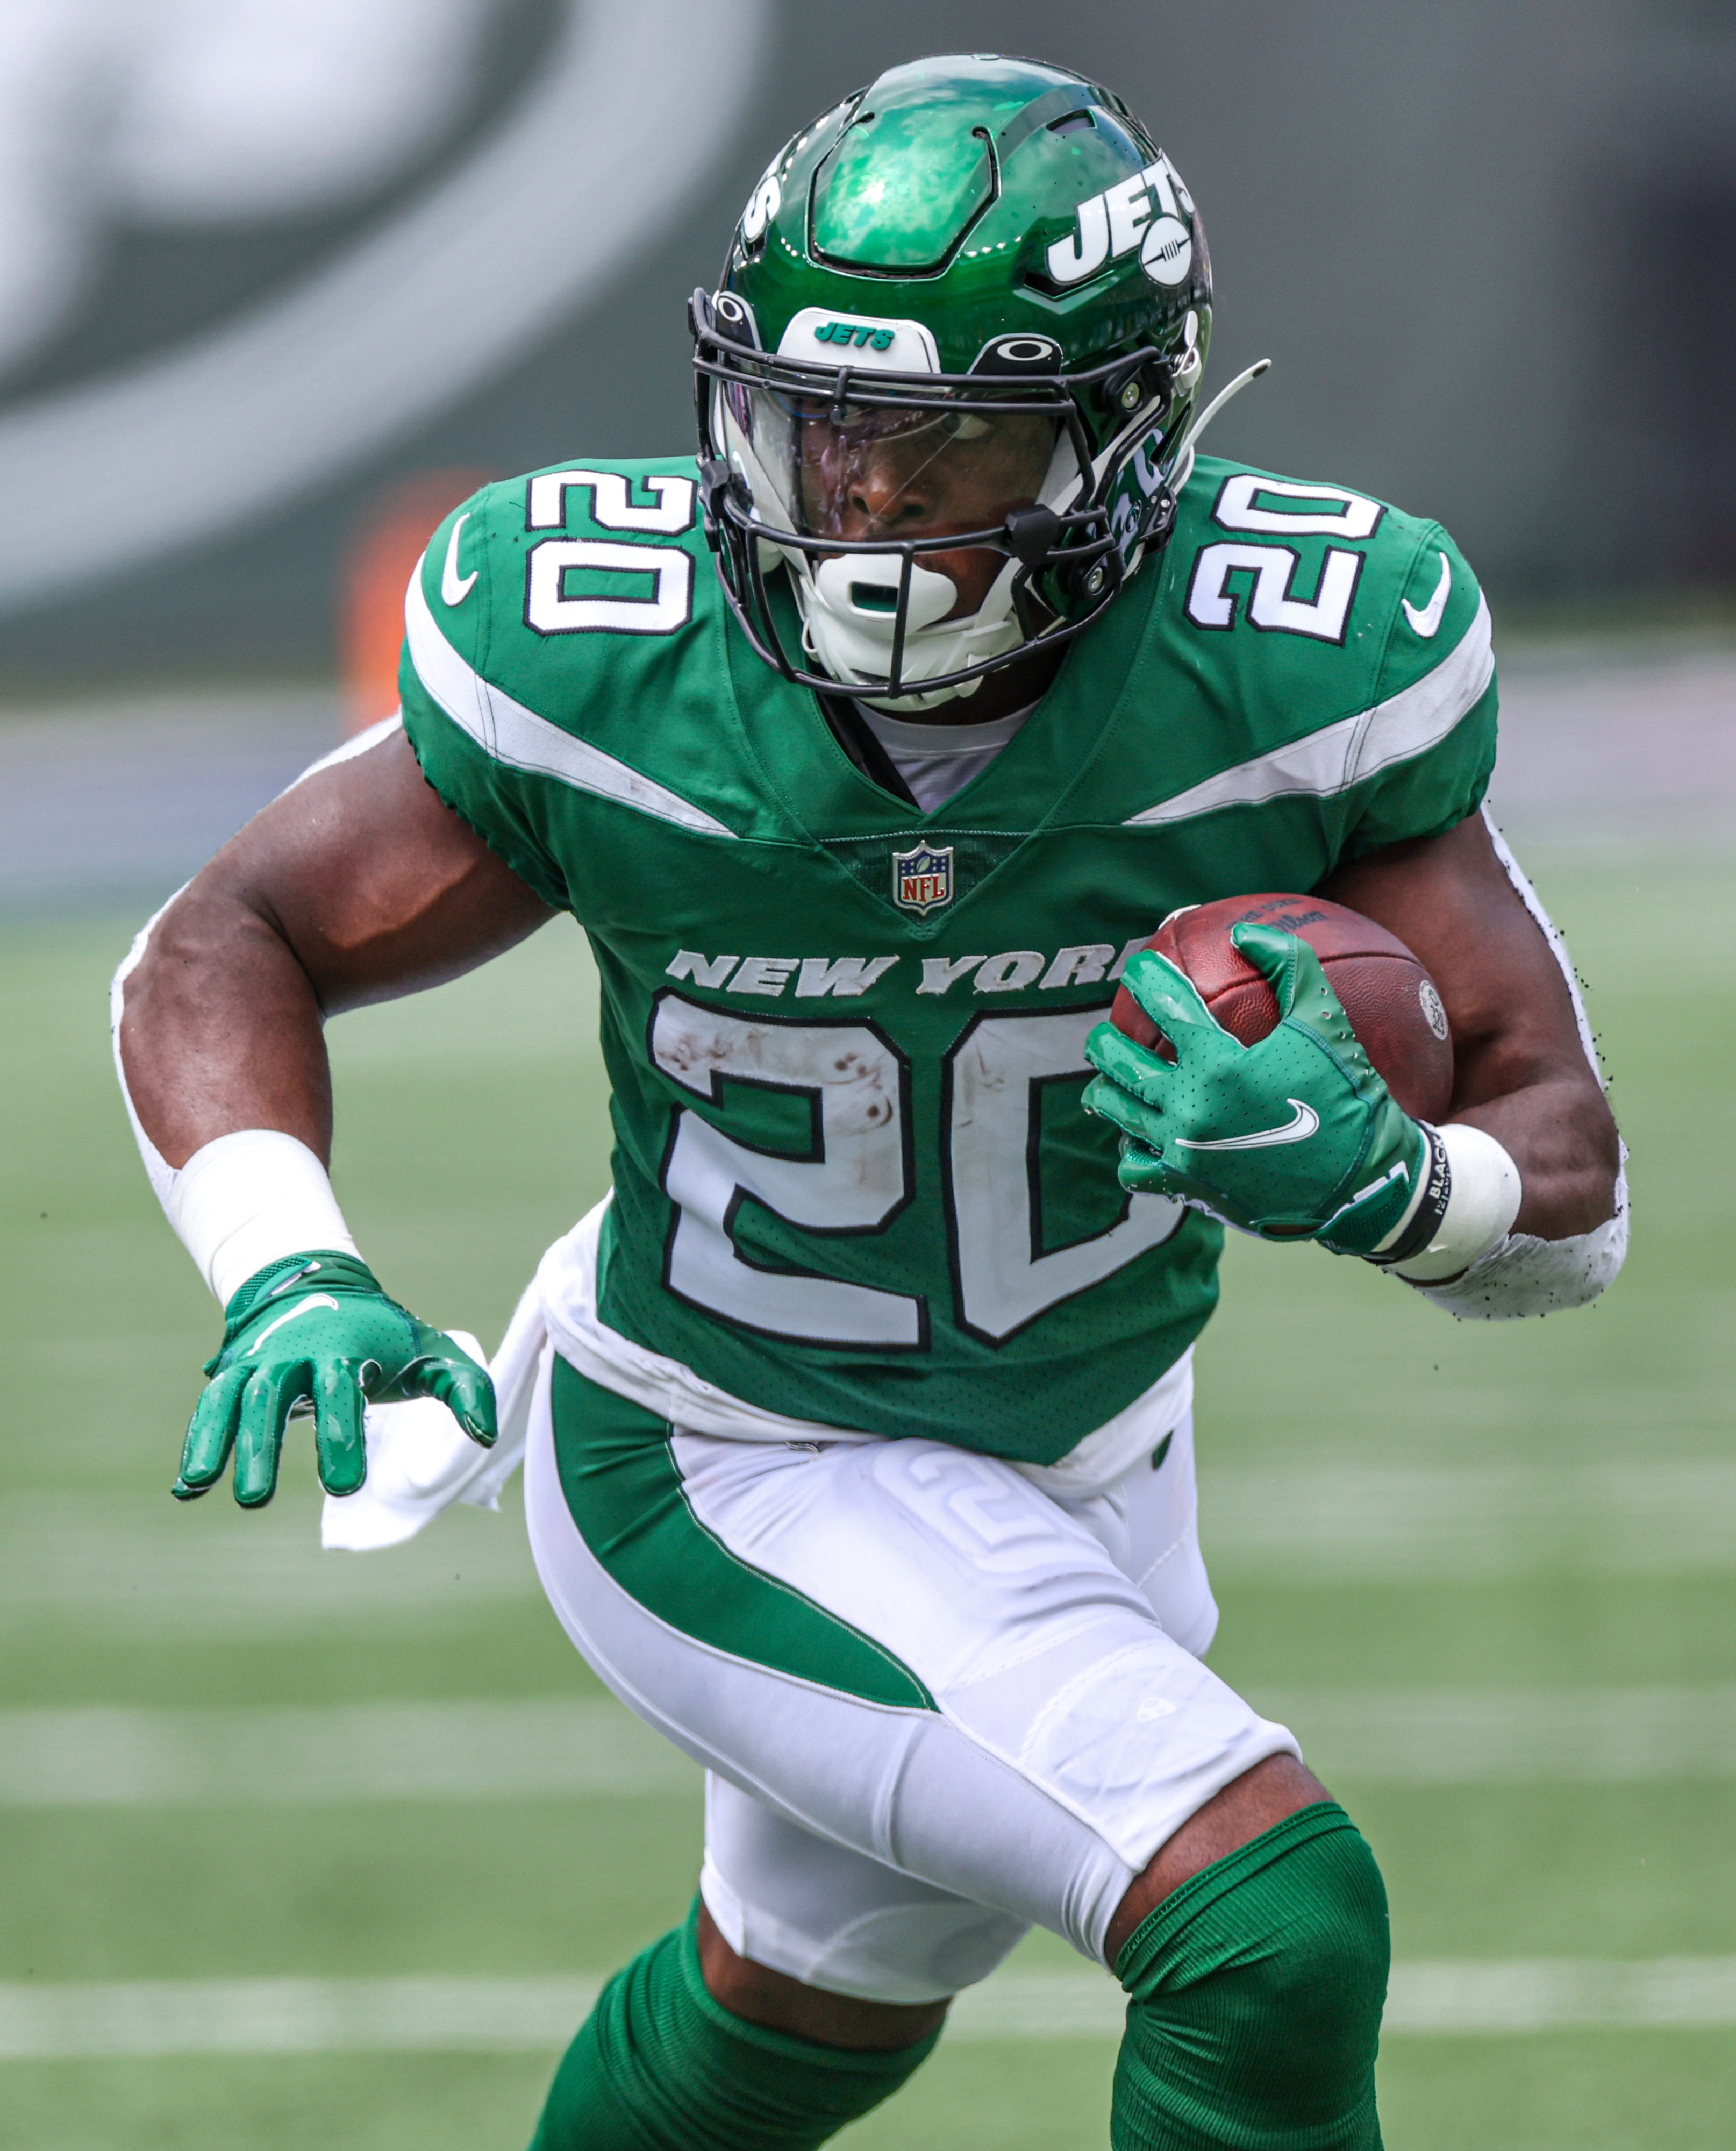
1315	587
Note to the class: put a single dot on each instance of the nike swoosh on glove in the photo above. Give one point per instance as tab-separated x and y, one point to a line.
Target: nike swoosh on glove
1296	1137
316	1328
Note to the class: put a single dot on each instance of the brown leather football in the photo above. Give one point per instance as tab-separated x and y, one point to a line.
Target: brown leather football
1390	999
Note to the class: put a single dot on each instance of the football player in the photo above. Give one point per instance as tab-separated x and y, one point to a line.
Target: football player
866	746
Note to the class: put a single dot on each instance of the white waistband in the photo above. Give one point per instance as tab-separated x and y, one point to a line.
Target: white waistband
566	1283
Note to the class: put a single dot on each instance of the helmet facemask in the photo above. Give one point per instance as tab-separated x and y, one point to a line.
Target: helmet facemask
936	528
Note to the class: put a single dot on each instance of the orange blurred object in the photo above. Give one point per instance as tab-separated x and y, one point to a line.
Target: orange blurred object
388	542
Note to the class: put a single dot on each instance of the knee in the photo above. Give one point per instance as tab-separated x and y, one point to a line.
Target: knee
1257	1988
1312	1949
1245	1808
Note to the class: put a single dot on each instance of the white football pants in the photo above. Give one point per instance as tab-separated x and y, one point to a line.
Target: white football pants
936	1703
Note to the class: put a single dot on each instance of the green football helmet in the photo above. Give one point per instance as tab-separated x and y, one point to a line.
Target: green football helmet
948	379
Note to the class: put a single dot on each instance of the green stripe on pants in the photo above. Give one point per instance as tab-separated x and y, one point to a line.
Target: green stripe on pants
623	1490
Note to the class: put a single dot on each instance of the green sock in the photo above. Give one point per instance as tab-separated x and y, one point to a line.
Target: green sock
660	2066
1256	1990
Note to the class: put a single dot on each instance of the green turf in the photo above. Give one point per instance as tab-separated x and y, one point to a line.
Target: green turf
472	1131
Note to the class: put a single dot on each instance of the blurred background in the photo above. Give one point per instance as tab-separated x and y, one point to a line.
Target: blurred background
296	1845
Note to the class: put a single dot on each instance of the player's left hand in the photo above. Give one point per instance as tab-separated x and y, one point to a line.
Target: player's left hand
316	1329
1296	1137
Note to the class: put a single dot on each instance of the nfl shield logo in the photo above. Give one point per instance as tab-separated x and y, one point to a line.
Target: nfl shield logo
922	880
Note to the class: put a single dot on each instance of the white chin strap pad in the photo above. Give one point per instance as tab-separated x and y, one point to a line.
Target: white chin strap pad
853	639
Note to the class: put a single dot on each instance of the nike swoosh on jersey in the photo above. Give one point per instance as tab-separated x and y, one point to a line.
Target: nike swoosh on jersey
1296	1130
455	588
313	1300
1426	621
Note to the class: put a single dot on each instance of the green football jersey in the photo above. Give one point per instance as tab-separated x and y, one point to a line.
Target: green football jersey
853	1180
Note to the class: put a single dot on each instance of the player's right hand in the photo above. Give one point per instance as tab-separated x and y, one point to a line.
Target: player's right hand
315	1329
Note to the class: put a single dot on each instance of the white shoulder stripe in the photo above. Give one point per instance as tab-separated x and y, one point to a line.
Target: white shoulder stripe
1339	755
509	733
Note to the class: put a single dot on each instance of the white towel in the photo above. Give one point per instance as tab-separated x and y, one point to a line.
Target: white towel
420	1461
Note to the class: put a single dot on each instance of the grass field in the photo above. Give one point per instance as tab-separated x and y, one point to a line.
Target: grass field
1490	1575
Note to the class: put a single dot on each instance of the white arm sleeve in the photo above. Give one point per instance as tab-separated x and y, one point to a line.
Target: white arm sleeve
1522	1275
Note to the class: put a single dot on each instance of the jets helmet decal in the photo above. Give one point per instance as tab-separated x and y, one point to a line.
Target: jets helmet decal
948	379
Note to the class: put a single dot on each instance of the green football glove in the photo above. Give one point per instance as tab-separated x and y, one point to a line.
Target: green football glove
1295	1137
316	1329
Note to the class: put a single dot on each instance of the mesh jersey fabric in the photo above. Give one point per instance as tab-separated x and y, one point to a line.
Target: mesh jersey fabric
830	1019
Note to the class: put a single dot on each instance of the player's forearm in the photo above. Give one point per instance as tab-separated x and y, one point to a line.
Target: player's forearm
224	1061
221	1030
1560	1134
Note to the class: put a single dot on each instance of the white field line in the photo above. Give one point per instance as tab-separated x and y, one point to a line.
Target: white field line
1501	1737
1406	1523
106	1566
99	1564
559	1747
1671	1993
146	2018
99	1757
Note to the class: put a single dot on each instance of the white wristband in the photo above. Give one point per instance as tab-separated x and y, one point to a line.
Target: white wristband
1482	1202
250	1198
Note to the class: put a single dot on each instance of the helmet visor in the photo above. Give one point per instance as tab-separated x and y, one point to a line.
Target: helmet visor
873	473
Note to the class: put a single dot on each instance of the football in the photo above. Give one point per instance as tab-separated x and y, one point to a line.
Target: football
1393	1003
